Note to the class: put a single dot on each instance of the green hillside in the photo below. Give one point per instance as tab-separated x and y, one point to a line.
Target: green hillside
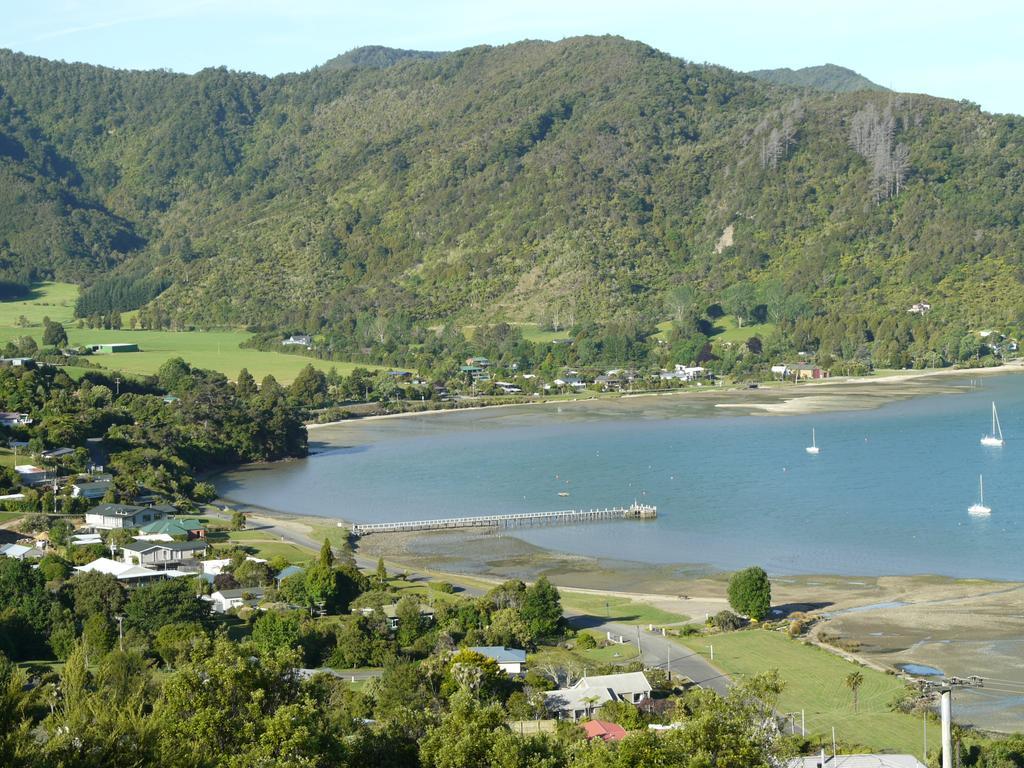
592	183
827	77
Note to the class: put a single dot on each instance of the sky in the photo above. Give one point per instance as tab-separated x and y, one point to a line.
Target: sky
960	50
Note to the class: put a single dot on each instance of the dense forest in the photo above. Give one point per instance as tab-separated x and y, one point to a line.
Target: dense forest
592	183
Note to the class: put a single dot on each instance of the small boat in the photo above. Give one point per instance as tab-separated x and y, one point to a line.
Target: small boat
995	439
563	493
979	509
813	447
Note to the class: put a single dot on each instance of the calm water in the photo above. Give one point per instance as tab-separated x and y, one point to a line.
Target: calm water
888	494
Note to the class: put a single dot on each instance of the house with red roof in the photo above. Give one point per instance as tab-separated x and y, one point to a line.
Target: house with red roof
602	729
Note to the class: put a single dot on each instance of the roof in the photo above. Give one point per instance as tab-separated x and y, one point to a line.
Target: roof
238	594
178	546
117	510
173	527
120	570
632	682
391	610
578	698
287	571
857	761
501	654
19	551
602	729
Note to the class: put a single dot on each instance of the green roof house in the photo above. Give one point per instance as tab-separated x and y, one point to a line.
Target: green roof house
168	530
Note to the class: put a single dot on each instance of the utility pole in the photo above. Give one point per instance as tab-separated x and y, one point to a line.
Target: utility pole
668	662
946	708
117	382
120	632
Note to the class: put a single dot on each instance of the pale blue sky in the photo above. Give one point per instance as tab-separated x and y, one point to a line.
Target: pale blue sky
959	50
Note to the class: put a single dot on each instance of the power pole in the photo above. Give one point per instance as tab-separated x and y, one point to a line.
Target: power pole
120	632
668	662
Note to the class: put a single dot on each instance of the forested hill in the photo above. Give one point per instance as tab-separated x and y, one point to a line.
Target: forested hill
592	179
827	77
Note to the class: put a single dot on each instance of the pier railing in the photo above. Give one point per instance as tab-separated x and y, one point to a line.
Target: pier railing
561	517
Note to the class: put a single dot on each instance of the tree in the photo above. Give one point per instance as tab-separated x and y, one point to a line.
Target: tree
309	388
274	630
16	743
96	593
246	384
164	602
250	573
750	593
853	681
542	609
54	334
237	520
382	571
326	554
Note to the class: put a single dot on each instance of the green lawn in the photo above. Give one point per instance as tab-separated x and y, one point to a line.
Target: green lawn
612	654
617	609
726	329
6	517
216	350
532	332
815	684
53	300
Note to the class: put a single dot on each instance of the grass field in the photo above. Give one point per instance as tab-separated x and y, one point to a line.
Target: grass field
726	329
617	609
216	350
612	654
815	684
6	517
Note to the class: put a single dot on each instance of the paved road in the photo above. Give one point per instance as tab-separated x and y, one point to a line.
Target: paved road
656	650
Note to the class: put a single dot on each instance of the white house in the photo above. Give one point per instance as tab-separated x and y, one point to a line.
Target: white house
855	761
20	552
225	599
126	572
8	419
162	554
921	308
781	370
110	516
589	693
299	340
512	661
29	474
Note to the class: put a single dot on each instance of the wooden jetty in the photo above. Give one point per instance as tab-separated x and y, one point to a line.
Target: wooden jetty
562	517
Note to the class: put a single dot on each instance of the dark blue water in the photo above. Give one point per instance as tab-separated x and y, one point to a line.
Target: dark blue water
888	494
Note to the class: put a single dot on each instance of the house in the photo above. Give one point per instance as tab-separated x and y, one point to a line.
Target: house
162	554
298	340
170	530
589	693
17	362
115	349
55	454
85	539
479	362
216	567
29	474
8	419
90	490
570	381
290	570
20	552
511	660
921	308
802	371
126	572
225	599
781	370
602	729
391	613
855	761
507	387
107	517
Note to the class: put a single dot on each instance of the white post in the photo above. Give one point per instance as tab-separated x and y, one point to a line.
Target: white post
712	647
833	743
947	728
803	724
924	719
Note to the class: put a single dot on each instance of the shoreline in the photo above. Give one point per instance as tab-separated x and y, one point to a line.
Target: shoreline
788	405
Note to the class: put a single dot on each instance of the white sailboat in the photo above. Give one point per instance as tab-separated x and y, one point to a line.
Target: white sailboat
979	509
813	447
996	438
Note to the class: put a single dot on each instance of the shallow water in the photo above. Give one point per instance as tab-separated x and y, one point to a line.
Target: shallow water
888	494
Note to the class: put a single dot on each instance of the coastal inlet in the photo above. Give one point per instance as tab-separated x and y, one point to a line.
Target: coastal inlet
562	517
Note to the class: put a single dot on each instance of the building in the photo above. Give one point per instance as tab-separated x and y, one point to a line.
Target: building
781	370
216	567
55	454
590	693
298	340
110	516
602	729
30	474
391	613
479	362
511	660
118	348
290	570
8	419
225	599
855	761
170	530
126	572
921	308
803	371
92	490
20	552
162	554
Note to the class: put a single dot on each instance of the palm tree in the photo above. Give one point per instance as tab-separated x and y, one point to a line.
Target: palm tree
853	682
